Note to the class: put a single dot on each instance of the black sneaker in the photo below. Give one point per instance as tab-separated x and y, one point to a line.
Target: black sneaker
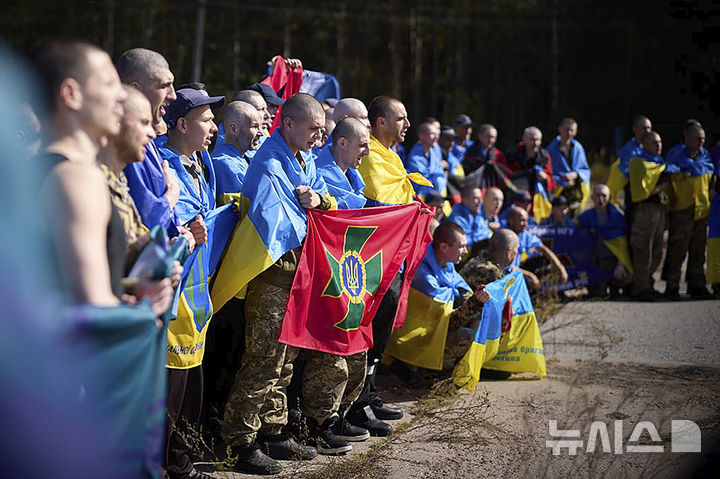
672	294
383	412
349	432
647	296
326	441
700	293
363	416
284	447
252	460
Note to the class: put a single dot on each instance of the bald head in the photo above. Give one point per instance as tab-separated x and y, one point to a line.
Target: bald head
302	106
135	101
302	122
351	140
652	143
503	247
251	97
351	108
242	124
493	202
140	65
517	219
503	240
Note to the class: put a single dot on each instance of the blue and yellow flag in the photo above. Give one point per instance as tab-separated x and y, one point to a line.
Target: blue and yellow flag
121	356
273	221
620	169
691	184
644	173
421	340
508	338
542	207
576	163
713	241
346	187
613	232
186	335
386	181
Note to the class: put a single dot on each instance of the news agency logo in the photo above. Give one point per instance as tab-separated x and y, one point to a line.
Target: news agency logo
685	437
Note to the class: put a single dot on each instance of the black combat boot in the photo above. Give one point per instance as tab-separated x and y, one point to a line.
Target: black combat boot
283	446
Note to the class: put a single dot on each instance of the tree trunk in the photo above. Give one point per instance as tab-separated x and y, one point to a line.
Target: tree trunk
199	40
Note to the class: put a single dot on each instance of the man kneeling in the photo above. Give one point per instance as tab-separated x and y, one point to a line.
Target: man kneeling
434	330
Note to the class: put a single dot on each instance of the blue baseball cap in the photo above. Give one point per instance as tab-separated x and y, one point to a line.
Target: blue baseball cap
187	99
268	93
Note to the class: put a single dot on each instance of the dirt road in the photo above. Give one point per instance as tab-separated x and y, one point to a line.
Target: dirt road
615	362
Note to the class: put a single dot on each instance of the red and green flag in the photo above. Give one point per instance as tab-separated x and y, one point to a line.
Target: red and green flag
349	259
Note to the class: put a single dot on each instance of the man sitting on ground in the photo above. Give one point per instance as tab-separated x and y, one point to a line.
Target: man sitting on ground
433	329
610	248
533	256
560	214
468	216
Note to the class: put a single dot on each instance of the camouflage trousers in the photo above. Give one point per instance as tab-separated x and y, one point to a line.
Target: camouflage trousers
257	400
686	237
329	382
646	237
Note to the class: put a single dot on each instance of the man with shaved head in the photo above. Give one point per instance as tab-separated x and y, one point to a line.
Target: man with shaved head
153	187
425	158
648	179
386	183
571	171
243	130
282	179
529	163
258	102
482	151
689	213
533	256
611	253
331	383
619	171
490	265
136	132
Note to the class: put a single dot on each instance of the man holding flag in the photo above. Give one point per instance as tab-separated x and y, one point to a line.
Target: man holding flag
281	183
330	382
386	183
191	127
432	326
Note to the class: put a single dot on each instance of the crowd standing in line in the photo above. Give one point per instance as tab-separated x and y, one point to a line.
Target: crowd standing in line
128	153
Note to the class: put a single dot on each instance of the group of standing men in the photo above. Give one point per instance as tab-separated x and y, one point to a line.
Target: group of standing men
130	153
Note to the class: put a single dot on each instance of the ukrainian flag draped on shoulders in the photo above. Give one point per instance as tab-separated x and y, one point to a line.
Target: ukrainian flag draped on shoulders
186	334
613	232
562	165
620	169
273	221
386	181
508	338
421	340
644	173
691	183
346	187
713	241
230	168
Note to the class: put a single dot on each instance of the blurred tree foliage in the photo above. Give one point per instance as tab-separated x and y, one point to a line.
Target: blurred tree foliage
509	62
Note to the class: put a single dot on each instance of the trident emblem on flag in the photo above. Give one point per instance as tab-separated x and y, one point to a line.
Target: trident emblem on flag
353	276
